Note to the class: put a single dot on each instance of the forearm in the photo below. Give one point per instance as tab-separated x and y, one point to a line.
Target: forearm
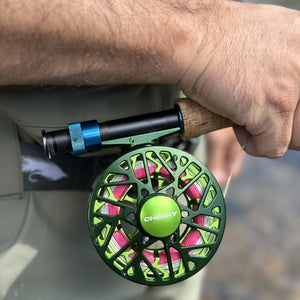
90	42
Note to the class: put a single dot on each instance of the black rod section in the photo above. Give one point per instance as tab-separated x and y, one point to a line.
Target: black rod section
115	129
59	141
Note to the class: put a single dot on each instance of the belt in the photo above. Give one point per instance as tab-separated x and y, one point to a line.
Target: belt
65	172
69	172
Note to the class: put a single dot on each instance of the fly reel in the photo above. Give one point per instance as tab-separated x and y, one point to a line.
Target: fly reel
156	215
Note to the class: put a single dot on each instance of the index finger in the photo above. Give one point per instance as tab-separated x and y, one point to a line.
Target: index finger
295	140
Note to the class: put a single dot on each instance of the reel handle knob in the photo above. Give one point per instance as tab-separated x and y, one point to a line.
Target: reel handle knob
198	120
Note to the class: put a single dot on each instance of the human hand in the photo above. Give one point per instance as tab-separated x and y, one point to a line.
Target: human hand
222	151
246	66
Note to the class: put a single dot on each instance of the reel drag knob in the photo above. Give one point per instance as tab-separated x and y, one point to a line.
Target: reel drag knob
160	216
156	215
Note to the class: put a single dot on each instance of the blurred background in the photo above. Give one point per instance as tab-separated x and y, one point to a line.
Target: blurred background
258	257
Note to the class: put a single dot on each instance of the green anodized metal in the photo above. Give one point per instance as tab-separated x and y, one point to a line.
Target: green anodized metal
156	215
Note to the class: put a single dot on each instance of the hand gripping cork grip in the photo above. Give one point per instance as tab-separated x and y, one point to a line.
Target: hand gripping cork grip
198	120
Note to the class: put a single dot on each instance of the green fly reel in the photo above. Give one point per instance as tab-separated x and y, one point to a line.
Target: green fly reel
156	215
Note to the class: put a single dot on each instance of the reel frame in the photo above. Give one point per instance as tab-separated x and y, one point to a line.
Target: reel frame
171	177
171	173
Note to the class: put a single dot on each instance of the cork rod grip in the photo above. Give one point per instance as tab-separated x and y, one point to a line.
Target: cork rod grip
198	120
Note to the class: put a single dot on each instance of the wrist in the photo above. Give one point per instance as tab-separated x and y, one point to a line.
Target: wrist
204	30
151	41
159	41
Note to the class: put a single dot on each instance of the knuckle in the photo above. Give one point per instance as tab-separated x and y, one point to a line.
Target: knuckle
277	153
284	99
270	145
271	152
279	148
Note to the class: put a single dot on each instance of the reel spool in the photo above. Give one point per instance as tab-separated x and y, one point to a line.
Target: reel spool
156	215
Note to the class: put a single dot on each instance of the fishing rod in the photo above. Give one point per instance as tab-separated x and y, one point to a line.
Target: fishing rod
187	118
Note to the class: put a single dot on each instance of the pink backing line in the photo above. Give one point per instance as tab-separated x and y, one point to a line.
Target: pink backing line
192	238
